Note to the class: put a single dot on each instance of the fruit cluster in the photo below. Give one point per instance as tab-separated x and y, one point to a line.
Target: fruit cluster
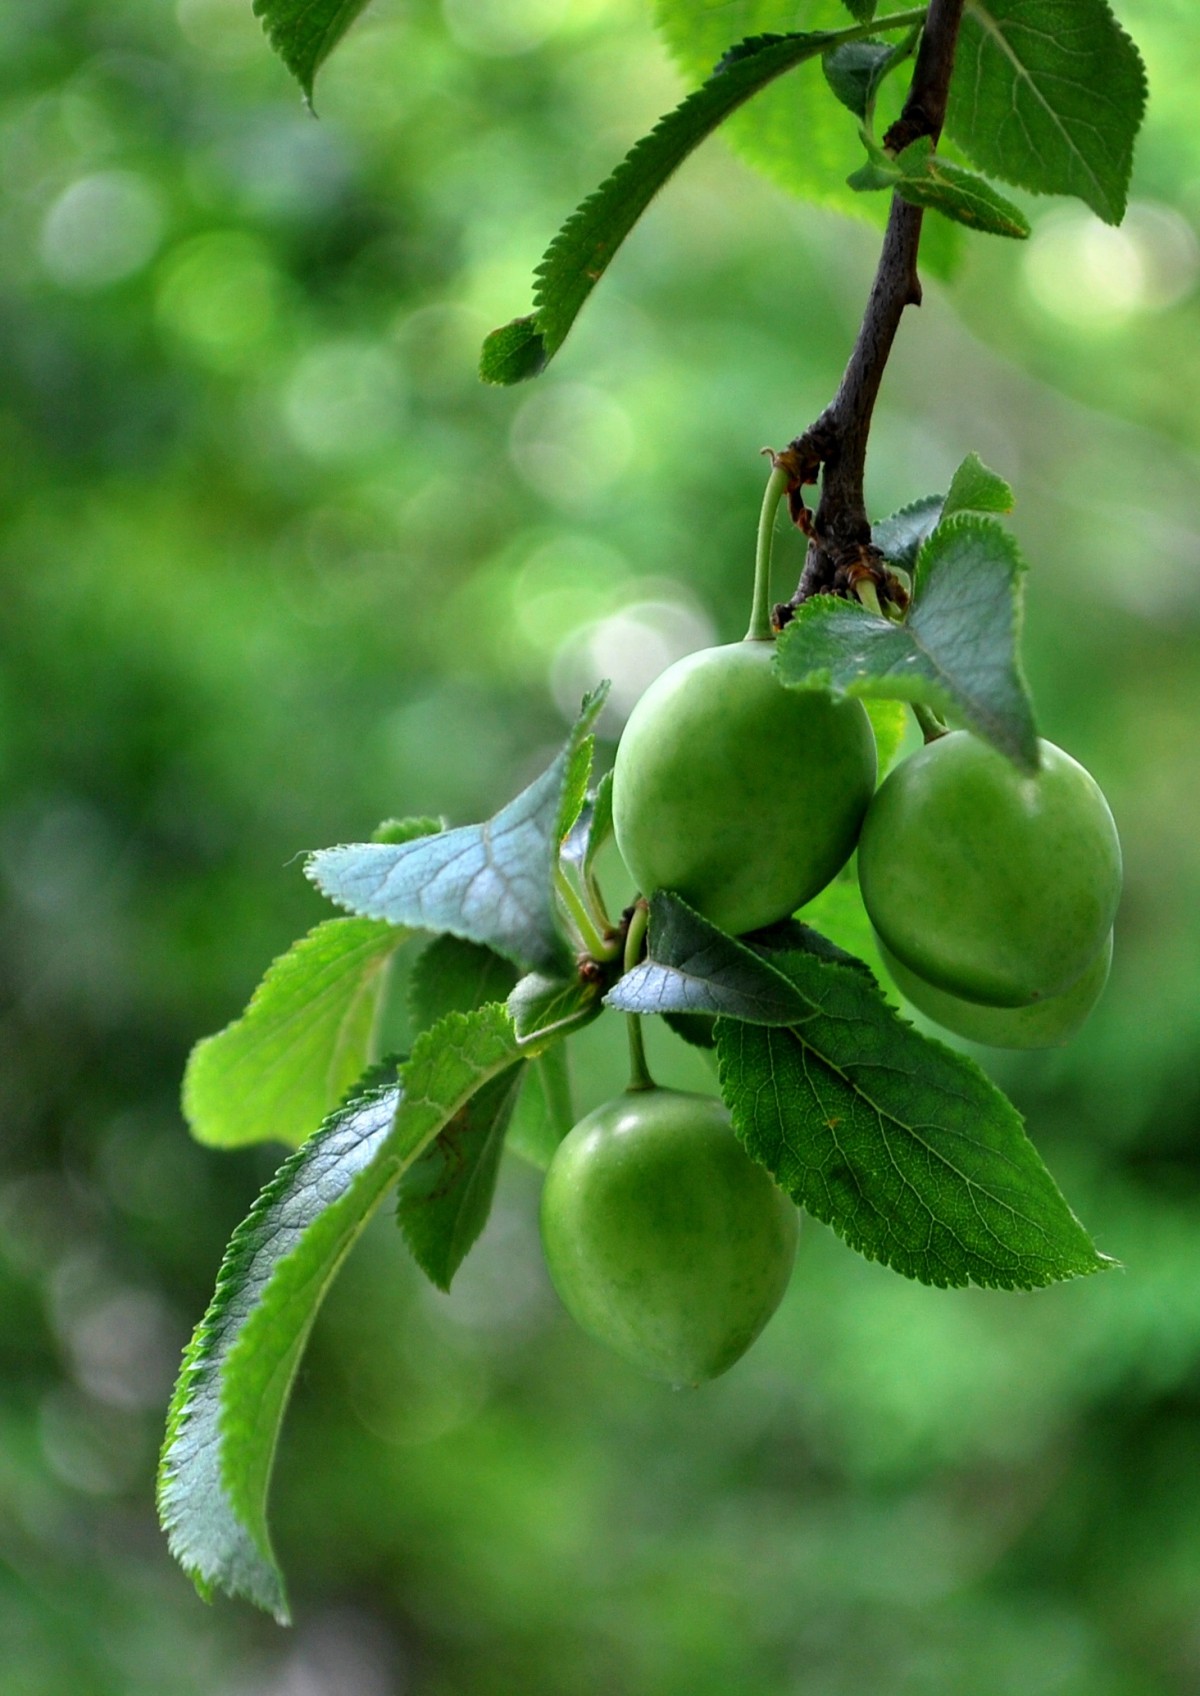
992	893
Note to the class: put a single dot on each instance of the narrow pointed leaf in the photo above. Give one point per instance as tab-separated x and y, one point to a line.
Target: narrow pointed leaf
585	246
903	1146
305	1038
305	32
1049	94
932	182
974	488
490	883
238	1370
446	1194
957	651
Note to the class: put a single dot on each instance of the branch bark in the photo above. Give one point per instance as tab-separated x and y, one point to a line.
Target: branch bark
840	531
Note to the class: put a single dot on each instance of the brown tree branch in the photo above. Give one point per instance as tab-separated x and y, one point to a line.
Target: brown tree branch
840	531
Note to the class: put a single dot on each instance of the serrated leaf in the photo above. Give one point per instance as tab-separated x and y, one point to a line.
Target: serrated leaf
276	1072
305	32
956	651
238	1370
793	133
974	488
540	1004
932	182
692	967
592	829
903	1146
584	248
900	536
491	883
863	10
405	830
453	976
446	1194
1049	94
544	1111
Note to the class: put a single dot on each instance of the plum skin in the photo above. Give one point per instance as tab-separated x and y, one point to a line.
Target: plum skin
1042	1024
742	796
662	1237
995	885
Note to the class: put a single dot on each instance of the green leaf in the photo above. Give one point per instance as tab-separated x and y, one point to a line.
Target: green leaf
305	32
903	1146
956	651
305	1038
889	721
545	1111
592	829
698	1029
491	883
1049	94
238	1370
793	133
583	249
974	488
446	1194
899	537
541	1004
453	976
863	10
854	72
930	181
405	830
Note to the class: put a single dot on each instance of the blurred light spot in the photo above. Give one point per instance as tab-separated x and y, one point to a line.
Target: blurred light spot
92	1449
563	584
631	648
345	399
570	443
1095	278
344	1652
218	293
502	27
227	30
123	1343
101	229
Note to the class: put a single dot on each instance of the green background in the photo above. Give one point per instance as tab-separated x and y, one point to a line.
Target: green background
276	566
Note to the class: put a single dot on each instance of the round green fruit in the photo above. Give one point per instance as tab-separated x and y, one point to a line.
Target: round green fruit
742	796
995	885
1043	1024
663	1238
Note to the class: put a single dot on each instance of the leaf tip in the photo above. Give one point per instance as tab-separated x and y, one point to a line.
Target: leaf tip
514	353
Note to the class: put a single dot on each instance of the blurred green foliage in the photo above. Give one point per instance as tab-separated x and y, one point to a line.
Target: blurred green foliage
275	566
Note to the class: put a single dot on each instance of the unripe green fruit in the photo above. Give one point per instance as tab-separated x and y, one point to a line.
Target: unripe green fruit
997	886
742	796
1043	1024
663	1238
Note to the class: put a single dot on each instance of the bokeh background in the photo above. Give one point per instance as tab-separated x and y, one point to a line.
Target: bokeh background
276	566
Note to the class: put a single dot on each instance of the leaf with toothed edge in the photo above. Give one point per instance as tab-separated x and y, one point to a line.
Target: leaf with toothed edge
238	1370
489	883
974	488
899	537
957	650
583	249
928	180
305	32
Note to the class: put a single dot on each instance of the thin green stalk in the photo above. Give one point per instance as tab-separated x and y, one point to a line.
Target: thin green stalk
589	936
635	936
760	608
931	725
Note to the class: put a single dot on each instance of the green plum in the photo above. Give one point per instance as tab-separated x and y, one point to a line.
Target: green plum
988	882
1042	1024
742	796
663	1238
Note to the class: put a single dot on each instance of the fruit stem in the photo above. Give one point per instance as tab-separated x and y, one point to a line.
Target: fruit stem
760	607
931	725
635	936
588	933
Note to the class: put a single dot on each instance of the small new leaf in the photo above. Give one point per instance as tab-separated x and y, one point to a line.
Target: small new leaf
238	1370
405	830
956	651
854	71
584	248
275	1073
491	883
903	1146
1049	94
974	488
927	180
305	32
899	537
